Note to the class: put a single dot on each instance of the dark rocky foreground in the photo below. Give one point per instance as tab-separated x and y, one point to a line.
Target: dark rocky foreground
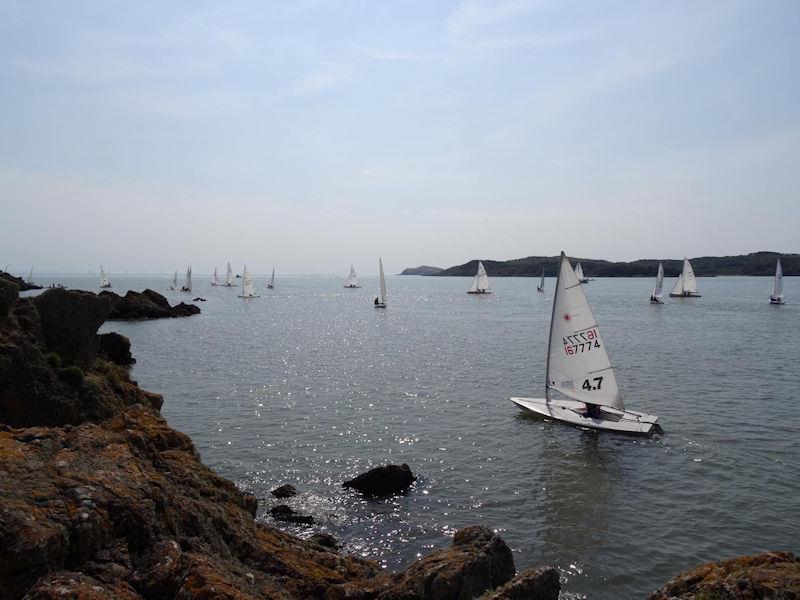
145	305
101	499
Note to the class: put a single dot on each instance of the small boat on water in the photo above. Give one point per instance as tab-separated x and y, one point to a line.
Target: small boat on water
30	277
105	282
579	274
352	279
580	385
777	286
187	286
480	283
686	286
271	284
381	302
174	284
248	291
540	287
229	277
214	278
655	297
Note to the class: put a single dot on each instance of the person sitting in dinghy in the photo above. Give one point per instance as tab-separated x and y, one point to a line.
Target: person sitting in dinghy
592	411
377	301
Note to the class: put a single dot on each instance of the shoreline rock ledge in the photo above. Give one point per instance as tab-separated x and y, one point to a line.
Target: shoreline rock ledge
389	479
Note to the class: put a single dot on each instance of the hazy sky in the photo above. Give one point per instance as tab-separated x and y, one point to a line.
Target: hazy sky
315	134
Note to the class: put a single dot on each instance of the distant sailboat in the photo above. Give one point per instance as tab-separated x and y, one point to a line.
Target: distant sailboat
174	284
578	367
248	291
579	274
540	287
187	286
104	281
214	278
480	283
271	284
686	286
381	302
30	276
777	287
229	276
352	279
655	297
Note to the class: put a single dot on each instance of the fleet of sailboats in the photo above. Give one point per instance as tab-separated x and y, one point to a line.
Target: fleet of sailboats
352	279
105	282
777	286
580	384
381	302
480	283
655	297
248	291
686	286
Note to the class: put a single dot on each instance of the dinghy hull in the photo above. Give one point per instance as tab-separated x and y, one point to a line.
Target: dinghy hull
572	412
380	305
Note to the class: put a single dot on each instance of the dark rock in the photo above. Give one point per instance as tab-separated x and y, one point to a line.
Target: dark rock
539	583
69	322
769	575
326	540
286	490
22	285
9	292
116	348
199	299
286	514
145	305
389	479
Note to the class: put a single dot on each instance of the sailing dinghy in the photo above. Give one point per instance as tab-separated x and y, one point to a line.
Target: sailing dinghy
174	284
655	297
104	281
686	286
248	291
580	387
352	279
187	286
579	274
229	277
214	278
271	284
540	287
381	302
777	287
480	283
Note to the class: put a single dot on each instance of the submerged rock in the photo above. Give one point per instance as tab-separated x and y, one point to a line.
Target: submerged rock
145	305
769	575
284	513
389	479
286	490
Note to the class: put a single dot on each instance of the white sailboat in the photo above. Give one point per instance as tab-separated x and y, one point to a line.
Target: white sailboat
686	286
104	280
352	279
174	284
579	274
30	276
579	371
777	287
229	276
248	291
381	302
187	286
214	278
540	287
655	297
480	283
271	284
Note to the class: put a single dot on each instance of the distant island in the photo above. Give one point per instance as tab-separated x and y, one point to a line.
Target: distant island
756	263
423	270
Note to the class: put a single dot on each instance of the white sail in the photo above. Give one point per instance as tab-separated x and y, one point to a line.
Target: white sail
30	275
104	282
187	286
248	291
659	281
577	363
541	282
777	287
383	282
174	285
229	276
214	278
689	280
480	283
579	272
352	279
678	289
272	279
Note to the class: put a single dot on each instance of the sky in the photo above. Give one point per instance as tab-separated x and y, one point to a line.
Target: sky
314	134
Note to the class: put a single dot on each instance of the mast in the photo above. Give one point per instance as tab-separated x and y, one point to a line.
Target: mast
383	282
550	333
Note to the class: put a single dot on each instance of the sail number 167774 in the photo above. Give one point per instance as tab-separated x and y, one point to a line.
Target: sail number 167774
583	341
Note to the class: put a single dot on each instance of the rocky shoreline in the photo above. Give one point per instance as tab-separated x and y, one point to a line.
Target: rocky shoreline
100	498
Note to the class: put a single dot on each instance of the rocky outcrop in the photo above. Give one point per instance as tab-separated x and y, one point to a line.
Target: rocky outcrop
389	479
22	285
9	292
540	583
423	270
116	348
69	322
145	305
769	575
285	513
287	490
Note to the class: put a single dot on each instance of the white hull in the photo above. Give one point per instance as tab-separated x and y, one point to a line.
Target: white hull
105	286
380	305
352	287
686	295
480	292
270	286
253	296
776	301
572	412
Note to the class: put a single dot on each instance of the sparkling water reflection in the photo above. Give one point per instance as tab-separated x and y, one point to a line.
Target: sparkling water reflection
310	385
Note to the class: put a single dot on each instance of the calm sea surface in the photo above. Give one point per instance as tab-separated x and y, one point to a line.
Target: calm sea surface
311	385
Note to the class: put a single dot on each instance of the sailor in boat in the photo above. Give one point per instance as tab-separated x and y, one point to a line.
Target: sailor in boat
377	301
592	411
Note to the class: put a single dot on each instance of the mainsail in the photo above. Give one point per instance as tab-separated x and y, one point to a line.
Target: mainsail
577	363
104	282
174	285
777	287
541	282
659	281
383	282
214	278
480	283
352	279
248	291
187	287
579	272
229	276
687	283
271	283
